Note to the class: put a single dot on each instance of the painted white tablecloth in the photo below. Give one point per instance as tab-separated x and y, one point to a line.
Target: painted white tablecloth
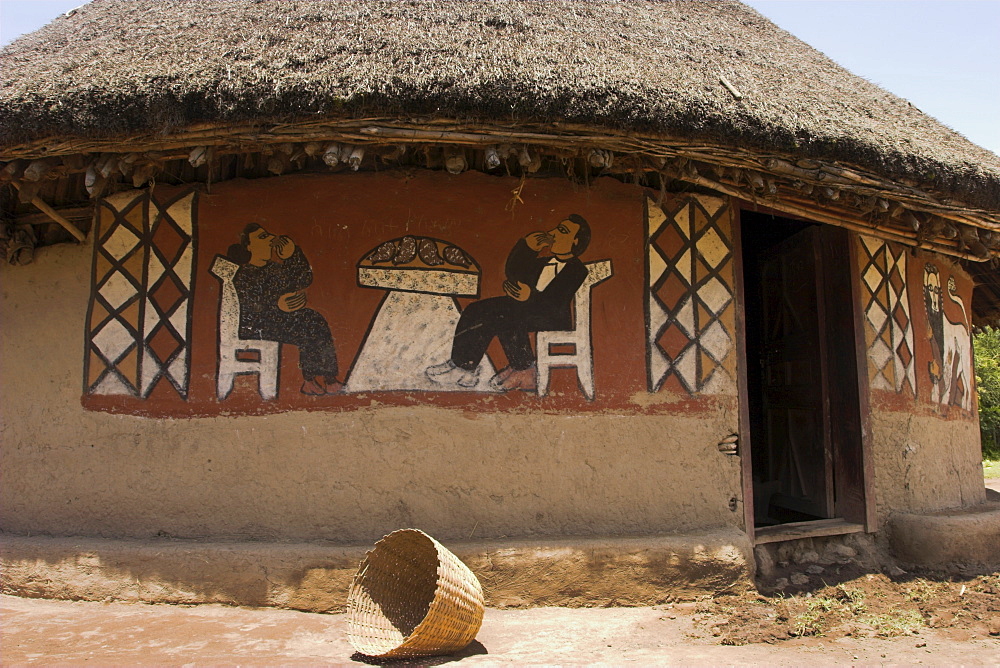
412	330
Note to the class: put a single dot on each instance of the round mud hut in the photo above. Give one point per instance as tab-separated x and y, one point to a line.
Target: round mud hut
613	298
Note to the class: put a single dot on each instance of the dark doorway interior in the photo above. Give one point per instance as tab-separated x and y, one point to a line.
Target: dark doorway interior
806	446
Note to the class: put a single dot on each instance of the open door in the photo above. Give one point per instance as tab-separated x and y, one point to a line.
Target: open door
794	454
806	437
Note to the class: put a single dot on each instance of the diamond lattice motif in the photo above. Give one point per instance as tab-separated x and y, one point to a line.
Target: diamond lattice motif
672	291
673	341
685	317
670	243
879	354
656	264
716	341
113	340
876	315
168	240
168	294
143	272
873	278
164	343
686	368
693	341
712	248
118	290
715	294
654	218
904	354
121	242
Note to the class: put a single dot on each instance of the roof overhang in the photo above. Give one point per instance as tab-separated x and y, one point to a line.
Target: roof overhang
827	192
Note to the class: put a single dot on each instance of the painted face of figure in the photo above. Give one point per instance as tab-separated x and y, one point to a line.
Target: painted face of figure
563	237
259	243
932	286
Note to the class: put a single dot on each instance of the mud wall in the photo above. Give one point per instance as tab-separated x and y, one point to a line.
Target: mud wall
926	452
143	458
923	463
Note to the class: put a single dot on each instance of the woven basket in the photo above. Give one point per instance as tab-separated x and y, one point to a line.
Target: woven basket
412	597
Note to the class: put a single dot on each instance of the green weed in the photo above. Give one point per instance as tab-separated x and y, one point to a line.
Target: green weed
899	623
853	598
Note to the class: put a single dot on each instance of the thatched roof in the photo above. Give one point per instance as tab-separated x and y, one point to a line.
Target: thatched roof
119	67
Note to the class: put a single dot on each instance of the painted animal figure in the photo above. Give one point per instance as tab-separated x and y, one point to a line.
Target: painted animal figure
950	366
956	385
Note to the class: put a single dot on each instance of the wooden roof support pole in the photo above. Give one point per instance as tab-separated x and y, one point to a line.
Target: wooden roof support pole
54	215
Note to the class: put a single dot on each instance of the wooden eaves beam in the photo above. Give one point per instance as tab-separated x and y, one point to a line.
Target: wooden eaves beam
54	215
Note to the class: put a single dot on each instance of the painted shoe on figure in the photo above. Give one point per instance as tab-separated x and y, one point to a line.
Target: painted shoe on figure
522	379
469	379
496	382
439	372
449	373
312	388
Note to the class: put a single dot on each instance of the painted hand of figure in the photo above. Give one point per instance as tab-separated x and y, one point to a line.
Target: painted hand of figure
538	240
517	290
292	301
284	247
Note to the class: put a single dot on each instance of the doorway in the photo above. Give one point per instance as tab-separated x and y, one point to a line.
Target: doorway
806	428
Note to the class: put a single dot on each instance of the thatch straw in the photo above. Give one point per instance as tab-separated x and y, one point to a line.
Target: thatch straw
121	67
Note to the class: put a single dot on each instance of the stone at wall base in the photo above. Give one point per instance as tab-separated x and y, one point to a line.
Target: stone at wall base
580	572
949	538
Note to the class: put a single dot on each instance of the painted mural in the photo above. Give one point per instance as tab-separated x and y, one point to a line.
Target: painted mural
949	334
422	279
543	274
271	282
690	310
324	293
886	308
138	333
917	326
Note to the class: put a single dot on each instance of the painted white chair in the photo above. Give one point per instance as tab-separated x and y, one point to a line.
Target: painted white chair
579	337
231	345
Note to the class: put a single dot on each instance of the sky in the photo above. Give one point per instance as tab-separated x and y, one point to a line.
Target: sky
941	55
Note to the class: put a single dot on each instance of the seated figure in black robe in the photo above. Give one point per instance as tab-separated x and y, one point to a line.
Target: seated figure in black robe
271	283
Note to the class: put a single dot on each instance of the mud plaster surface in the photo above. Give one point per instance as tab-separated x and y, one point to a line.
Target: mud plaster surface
925	463
316	577
344	477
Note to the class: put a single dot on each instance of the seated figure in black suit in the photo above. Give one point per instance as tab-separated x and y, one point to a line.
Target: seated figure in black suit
543	274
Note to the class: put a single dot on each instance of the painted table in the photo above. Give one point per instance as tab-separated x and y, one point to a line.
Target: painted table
414	325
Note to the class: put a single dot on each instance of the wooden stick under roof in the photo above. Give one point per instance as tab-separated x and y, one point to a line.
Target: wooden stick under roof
54	215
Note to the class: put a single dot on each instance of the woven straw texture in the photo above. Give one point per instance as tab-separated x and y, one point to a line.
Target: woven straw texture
412	597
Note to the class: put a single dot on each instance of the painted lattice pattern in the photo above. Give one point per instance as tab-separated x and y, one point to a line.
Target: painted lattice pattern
138	330
888	329
690	310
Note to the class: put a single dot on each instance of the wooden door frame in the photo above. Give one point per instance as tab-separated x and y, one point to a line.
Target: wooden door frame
864	389
742	383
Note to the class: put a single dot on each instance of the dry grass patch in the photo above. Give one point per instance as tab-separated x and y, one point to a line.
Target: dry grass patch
867	605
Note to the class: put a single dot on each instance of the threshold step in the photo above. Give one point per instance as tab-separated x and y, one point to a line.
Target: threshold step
812	529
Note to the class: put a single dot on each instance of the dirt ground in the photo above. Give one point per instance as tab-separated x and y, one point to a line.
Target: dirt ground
865	618
850	603
821	602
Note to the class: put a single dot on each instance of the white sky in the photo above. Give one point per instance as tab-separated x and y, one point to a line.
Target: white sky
941	55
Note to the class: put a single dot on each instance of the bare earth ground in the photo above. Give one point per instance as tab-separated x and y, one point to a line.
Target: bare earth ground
838	613
854	604
869	619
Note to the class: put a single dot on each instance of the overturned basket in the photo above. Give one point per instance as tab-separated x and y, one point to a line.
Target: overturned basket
412	597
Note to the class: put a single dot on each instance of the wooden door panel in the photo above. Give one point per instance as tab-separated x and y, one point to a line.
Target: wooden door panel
793	364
